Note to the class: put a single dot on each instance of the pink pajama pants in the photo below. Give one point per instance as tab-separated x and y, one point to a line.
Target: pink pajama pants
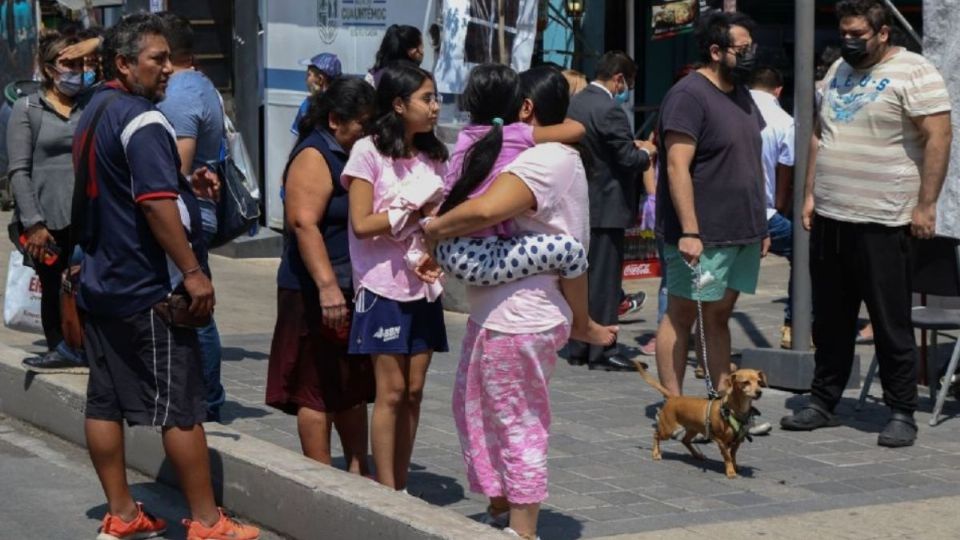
501	405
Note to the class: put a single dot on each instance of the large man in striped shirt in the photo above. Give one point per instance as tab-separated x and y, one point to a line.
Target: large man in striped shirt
879	157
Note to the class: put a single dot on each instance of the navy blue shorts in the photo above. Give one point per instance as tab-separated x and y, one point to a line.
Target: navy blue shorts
385	326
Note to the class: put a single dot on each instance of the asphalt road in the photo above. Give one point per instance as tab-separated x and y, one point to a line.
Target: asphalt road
49	490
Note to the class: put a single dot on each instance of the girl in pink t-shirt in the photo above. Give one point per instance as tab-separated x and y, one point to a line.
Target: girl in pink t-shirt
397	321
493	255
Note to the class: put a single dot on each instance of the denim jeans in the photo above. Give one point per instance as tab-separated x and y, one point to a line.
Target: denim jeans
210	354
781	243
209	336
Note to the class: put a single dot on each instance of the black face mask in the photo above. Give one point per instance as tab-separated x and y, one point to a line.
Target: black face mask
854	51
746	63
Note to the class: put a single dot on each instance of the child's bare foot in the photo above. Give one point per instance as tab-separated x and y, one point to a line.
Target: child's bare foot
595	333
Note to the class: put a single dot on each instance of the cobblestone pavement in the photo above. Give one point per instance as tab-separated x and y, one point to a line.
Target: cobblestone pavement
602	479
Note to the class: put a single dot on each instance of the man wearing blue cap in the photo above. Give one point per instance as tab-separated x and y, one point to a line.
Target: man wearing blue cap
322	69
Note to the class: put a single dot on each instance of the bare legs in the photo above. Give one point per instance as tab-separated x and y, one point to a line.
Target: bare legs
396	414
314	428
673	333
584	328
186	448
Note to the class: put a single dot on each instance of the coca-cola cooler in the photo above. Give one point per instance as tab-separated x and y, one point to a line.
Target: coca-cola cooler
640	254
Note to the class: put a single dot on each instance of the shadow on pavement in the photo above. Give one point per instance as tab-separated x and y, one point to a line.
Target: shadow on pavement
751	331
234	410
436	489
232	354
557	526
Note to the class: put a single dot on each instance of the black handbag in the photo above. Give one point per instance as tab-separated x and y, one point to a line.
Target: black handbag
237	210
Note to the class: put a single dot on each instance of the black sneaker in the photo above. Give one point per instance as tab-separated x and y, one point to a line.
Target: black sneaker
54	362
809	418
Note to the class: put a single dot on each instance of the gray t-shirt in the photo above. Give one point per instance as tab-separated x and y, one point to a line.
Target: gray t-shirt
192	105
727	170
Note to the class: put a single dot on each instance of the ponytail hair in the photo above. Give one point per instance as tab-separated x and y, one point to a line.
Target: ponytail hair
401	80
493	98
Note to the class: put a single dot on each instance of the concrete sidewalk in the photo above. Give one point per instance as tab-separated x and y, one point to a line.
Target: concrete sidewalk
603	481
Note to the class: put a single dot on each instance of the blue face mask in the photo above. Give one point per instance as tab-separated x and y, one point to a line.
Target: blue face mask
623	97
69	83
89	78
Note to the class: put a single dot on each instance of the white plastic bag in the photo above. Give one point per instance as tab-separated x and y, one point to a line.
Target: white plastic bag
21	301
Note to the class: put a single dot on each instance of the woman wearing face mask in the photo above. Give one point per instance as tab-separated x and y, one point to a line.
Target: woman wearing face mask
39	145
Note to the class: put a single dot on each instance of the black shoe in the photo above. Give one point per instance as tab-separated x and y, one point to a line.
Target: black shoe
901	430
576	360
54	362
617	362
809	418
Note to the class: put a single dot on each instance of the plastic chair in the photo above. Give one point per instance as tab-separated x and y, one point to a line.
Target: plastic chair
936	271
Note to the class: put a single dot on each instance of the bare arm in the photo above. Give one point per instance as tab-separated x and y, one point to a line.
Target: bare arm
808	205
365	223
163	218
187	148
680	151
649	181
937	136
308	190
508	197
568	132
784	189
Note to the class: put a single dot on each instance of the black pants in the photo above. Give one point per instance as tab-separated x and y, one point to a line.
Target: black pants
50	295
850	263
605	276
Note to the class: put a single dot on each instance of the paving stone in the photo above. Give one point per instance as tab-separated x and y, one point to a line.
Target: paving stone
621	498
831	488
603	480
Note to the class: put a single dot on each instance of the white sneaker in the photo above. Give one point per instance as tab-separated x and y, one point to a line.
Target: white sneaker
512	532
759	428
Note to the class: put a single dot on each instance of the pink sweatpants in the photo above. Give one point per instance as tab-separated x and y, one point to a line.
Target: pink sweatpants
501	405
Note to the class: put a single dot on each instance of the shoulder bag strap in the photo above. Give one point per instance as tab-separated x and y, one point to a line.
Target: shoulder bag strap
82	172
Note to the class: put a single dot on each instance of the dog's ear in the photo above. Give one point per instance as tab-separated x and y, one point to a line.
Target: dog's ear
763	378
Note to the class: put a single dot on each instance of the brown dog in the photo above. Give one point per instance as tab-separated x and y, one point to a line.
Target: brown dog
725	421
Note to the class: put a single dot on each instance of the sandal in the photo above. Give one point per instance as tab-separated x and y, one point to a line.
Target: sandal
901	430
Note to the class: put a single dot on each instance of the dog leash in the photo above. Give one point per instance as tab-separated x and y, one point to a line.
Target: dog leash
700	279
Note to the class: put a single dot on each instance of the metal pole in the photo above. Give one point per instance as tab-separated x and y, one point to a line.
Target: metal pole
804	114
904	23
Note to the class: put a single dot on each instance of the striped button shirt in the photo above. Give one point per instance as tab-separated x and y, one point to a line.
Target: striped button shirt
871	153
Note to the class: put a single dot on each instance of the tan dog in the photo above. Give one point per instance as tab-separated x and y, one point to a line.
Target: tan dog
725	421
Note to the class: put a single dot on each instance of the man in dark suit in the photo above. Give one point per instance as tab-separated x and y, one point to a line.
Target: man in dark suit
616	162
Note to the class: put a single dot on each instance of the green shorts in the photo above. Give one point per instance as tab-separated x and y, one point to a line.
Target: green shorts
733	267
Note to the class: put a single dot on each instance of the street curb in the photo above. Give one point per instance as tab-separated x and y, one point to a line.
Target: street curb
271	485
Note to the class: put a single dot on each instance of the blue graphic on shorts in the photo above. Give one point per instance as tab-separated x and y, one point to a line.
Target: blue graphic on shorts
846	106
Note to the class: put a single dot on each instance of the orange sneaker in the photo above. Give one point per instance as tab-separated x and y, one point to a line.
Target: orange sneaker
142	526
226	528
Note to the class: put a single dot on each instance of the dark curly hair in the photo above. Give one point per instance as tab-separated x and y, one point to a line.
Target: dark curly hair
874	11
126	38
401	80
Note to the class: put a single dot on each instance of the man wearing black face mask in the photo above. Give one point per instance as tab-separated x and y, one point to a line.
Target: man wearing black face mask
711	199
878	159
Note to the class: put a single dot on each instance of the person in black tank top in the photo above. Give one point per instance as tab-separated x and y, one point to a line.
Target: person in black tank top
310	373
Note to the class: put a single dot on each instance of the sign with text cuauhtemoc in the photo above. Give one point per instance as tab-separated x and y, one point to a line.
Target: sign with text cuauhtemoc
471	36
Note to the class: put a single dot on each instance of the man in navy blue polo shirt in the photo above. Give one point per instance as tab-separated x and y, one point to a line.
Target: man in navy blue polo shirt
141	239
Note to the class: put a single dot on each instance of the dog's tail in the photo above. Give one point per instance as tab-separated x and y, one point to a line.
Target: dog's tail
651	380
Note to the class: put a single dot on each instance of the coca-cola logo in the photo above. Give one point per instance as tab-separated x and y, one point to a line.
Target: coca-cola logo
638	270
